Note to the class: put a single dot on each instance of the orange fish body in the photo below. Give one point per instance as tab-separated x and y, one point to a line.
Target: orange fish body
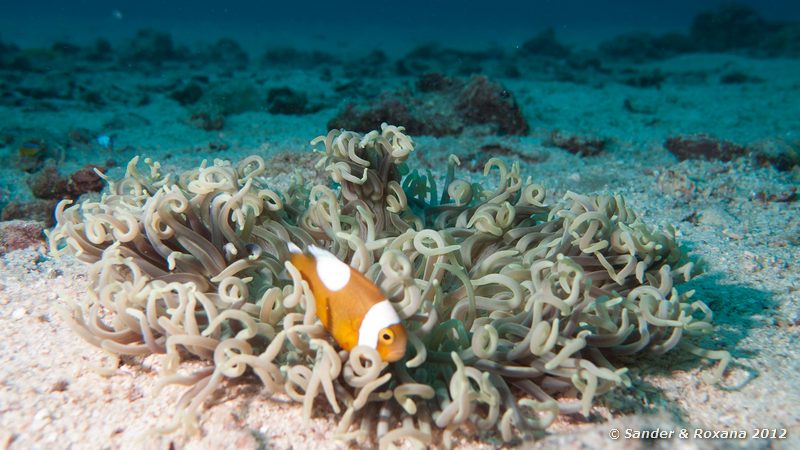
350	306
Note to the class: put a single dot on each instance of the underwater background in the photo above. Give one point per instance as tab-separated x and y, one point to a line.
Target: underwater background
688	109
384	25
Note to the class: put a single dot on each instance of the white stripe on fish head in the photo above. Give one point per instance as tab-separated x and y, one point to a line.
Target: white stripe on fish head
380	315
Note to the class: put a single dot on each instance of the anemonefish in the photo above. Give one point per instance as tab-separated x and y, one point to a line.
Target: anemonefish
350	306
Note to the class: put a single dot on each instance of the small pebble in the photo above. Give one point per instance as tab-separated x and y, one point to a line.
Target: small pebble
41	416
18	313
59	386
715	216
54	273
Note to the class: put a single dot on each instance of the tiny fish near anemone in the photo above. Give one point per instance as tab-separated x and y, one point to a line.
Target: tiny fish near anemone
350	306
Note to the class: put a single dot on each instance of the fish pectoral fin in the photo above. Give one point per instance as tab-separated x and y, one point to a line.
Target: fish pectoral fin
345	333
324	310
349	342
328	312
355	325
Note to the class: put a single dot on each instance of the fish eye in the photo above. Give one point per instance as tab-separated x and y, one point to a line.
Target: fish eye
387	336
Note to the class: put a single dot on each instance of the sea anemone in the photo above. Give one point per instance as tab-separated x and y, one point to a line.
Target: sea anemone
515	309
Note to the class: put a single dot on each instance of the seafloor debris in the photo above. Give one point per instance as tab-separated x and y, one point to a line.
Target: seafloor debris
434	82
477	160
546	44
84	180
300	59
784	155
151	47
730	27
702	146
643	46
430	57
677	184
441	106
207	120
126	119
780	197
485	102
578	145
19	234
643	79
188	94
38	210
31	147
738	77
516	310
225	53
222	100
31	154
49	184
284	100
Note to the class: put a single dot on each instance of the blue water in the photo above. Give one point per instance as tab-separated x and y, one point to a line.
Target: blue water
384	24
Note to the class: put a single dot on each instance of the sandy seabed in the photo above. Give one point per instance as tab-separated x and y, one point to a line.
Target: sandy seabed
52	396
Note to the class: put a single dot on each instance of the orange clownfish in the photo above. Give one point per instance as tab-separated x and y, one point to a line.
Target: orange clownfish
350	306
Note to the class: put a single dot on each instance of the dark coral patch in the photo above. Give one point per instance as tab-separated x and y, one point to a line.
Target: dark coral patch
702	146
440	106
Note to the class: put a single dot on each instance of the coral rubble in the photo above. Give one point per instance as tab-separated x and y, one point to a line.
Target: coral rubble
442	106
18	234
703	147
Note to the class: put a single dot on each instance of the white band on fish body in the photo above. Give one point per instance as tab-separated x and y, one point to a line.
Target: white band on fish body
380	315
333	273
